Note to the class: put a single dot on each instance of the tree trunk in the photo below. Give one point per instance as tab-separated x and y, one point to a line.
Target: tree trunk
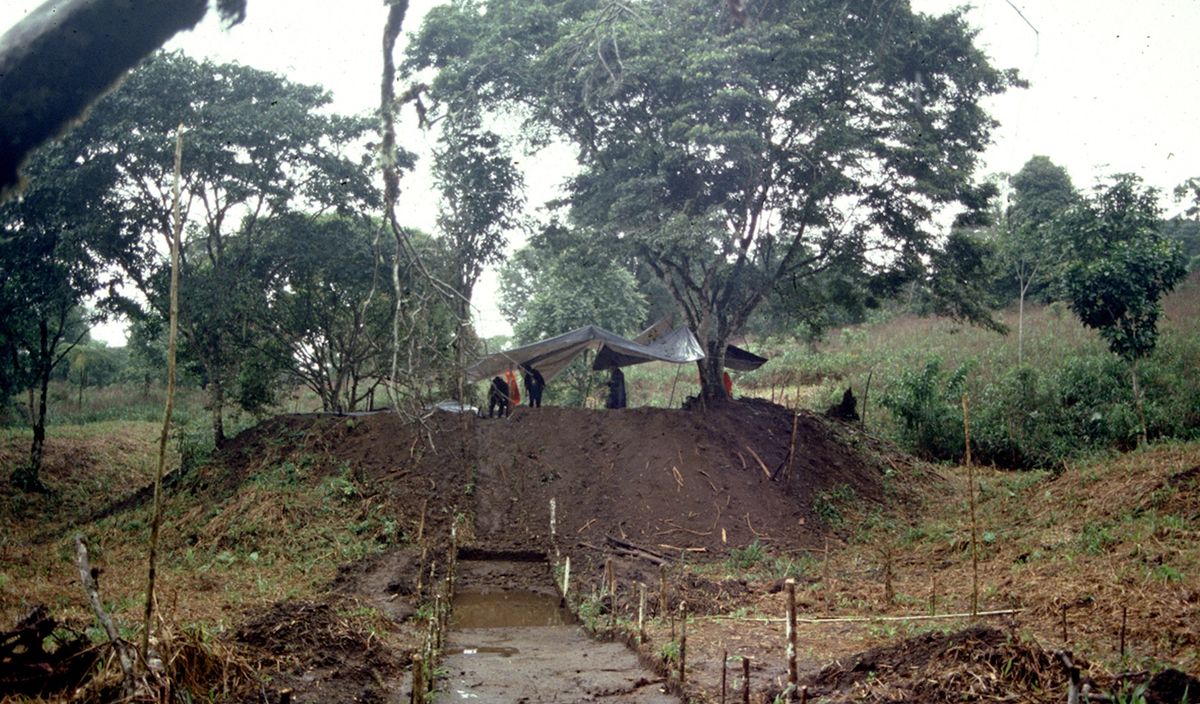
31	478
1137	403
216	400
712	370
1021	326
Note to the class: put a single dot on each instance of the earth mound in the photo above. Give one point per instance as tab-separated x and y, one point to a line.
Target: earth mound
671	481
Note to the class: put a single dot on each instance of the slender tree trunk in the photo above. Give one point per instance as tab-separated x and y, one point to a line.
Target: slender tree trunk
1021	325
1137	403
216	400
37	448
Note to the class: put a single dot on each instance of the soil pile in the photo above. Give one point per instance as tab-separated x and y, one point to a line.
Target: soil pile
671	480
977	664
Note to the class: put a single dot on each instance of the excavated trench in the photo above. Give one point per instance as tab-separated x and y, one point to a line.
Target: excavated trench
511	641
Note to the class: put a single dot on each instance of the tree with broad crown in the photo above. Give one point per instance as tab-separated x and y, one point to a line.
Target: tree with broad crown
730	149
256	146
1119	267
58	242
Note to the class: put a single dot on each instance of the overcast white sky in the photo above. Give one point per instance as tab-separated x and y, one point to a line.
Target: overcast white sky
1115	86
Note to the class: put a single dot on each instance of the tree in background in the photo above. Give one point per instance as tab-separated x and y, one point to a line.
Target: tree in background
481	191
257	146
1119	265
329	305
1041	191
562	280
1185	227
733	150
57	242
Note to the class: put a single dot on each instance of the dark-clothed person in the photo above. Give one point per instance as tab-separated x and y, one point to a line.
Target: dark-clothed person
534	385
498	398
616	389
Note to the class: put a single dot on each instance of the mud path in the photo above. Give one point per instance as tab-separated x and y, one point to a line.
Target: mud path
509	642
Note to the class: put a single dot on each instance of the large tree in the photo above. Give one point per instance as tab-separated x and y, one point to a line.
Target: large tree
481	190
1119	267
59	242
329	305
256	146
733	145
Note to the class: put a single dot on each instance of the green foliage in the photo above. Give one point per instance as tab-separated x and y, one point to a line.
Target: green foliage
929	405
1120	265
729	155
830	504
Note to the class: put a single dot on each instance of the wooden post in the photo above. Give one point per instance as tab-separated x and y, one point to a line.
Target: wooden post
418	680
889	594
932	594
285	696
1064	625
826	579
745	680
974	543
792	445
724	669
662	592
566	585
804	695
793	675
610	582
682	643
641	613
966	428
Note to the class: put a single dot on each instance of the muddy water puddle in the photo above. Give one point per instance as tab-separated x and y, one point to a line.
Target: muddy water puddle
510	642
491	608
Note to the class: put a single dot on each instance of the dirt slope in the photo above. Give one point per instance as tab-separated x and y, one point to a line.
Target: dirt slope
666	479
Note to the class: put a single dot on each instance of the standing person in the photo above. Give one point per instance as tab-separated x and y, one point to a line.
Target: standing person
616	389
498	398
534	384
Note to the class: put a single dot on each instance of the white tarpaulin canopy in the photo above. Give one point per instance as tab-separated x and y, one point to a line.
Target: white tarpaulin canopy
550	356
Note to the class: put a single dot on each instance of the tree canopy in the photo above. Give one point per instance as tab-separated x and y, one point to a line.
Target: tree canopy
731	149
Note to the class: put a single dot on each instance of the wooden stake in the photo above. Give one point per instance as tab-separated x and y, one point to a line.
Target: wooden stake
553	520
1064	625
825	578
745	680
662	592
966	428
804	695
610	584
418	680
566	585
172	337
974	543
724	670
932	594
792	446
421	524
641	613
793	675
285	696
889	594
682	643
